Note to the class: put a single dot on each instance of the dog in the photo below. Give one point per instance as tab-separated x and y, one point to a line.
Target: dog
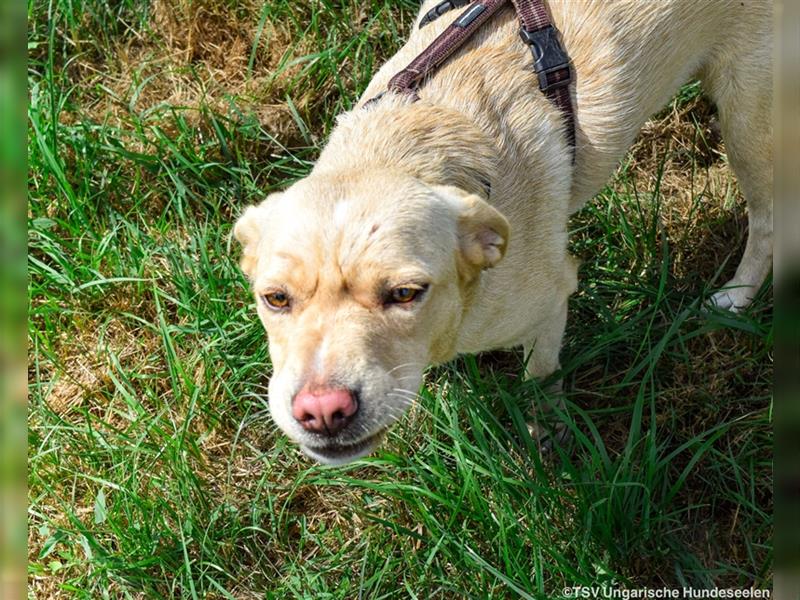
436	227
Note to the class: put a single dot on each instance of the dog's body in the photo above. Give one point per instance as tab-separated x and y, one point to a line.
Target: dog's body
398	198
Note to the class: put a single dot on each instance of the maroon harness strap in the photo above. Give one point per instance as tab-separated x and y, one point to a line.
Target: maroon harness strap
450	40
550	62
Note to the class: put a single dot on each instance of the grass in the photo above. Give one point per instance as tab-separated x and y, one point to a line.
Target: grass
154	470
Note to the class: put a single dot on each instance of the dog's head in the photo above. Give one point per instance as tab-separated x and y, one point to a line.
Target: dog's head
361	282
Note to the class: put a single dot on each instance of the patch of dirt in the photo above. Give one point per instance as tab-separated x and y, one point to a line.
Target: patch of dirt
85	362
196	57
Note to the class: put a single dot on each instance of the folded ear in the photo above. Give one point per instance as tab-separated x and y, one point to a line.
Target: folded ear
483	231
248	231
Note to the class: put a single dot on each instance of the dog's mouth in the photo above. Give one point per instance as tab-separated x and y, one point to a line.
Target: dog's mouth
339	454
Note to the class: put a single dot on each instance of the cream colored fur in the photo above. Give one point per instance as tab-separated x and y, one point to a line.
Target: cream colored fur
398	197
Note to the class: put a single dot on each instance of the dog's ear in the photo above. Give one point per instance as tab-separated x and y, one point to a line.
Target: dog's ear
483	231
248	232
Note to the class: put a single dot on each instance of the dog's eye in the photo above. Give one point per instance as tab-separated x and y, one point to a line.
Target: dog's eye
276	300
405	294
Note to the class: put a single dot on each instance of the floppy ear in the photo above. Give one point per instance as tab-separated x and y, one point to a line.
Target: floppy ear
483	231
248	231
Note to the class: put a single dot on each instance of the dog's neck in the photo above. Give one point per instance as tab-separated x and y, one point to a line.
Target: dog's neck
436	145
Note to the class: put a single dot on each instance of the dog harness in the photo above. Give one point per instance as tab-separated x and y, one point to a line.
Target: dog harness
550	61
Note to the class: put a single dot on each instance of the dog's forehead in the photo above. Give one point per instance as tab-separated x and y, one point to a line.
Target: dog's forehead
395	222
374	214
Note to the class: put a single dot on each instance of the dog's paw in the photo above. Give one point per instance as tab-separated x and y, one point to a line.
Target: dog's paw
547	437
733	297
545	429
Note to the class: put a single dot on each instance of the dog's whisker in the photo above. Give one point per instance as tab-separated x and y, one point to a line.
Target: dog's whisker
257	384
405	400
404	403
406	392
409	397
405	365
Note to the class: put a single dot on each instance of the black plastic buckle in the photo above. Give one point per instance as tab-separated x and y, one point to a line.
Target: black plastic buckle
441	8
548	55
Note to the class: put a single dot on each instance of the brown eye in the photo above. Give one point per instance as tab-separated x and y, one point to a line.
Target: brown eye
276	300
405	294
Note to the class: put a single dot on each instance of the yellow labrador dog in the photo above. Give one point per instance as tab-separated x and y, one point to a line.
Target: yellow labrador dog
435	227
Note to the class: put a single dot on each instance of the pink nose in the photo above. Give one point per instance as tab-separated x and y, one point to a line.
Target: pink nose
324	411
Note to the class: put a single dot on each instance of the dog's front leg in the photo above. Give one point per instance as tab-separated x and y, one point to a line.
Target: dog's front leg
542	355
542	349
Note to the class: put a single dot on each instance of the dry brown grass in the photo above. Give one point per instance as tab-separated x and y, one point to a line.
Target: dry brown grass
195	56
681	152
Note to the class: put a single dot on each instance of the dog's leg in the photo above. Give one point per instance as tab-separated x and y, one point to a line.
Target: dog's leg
542	360
740	83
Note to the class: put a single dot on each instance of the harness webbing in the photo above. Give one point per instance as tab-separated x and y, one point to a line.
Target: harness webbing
550	61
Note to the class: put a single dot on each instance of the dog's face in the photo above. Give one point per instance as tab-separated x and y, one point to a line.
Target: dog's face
361	282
